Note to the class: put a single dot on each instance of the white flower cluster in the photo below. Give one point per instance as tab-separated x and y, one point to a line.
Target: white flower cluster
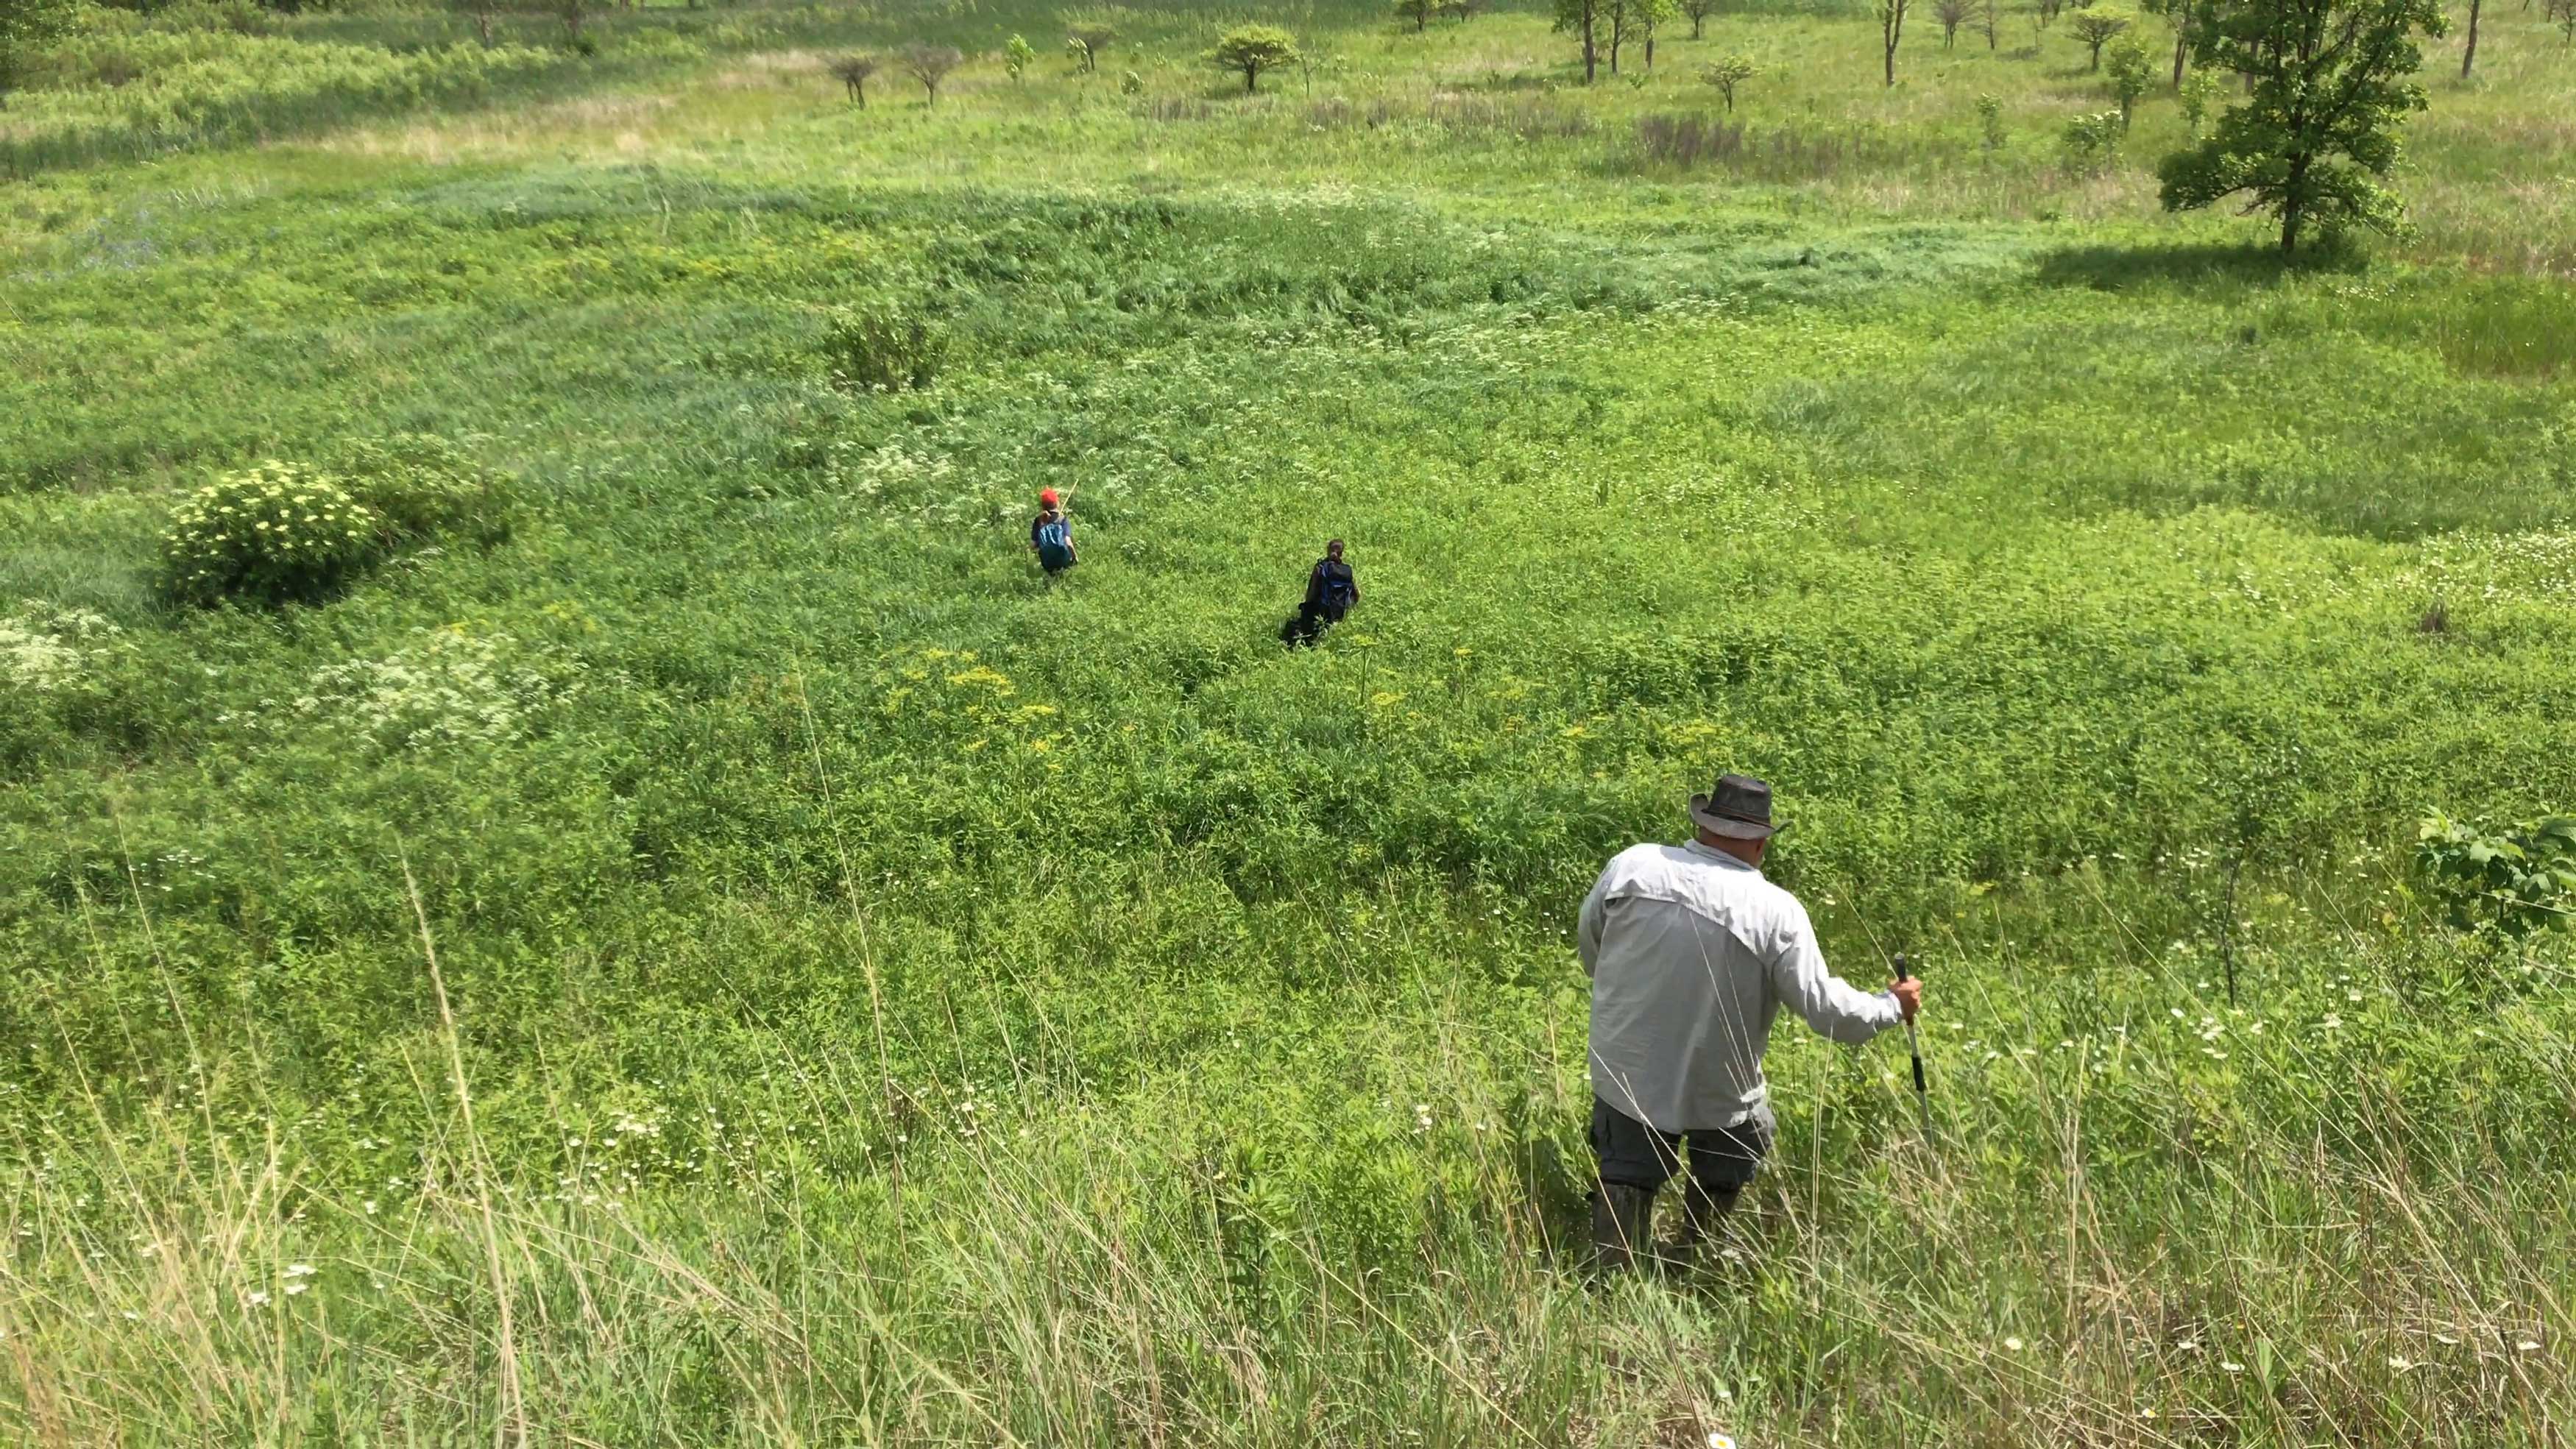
889	470
43	648
451	688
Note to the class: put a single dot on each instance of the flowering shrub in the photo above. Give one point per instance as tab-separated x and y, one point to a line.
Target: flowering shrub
450	688
43	648
272	532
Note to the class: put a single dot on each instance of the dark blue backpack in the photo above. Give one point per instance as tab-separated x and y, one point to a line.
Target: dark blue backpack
1338	587
1055	544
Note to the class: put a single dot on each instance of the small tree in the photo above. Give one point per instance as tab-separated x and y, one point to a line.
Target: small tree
574	14
1017	56
1416	11
2045	13
1645	17
1457	10
481	12
2178	14
1951	14
852	71
1726	73
2198	90
1987	15
2093	140
930	64
1629	21
28	27
2329	83
1990	120
1891	29
1698	11
1252	49
1086	41
1583	18
2096	27
2132	71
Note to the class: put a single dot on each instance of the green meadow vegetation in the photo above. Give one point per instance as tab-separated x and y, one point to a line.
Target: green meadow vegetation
563	880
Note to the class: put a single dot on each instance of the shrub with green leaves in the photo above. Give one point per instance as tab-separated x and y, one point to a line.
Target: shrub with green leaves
269	533
2132	71
2092	140
2517	880
2198	89
882	346
1990	120
423	487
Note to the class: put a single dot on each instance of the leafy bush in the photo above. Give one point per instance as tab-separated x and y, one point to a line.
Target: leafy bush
2132	72
2198	89
269	533
423	487
2517	880
1085	42
883	346
2093	140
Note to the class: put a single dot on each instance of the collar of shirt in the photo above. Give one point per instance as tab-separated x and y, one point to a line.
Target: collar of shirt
1708	852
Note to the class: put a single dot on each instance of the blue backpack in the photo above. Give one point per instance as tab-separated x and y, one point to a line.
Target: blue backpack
1055	544
1338	587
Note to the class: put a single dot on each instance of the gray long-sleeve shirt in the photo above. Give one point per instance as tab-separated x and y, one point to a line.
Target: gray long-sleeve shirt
1691	954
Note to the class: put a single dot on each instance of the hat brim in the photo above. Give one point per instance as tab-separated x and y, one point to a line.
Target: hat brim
1729	826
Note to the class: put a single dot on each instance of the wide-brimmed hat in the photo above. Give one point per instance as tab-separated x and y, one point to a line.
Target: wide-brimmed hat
1737	807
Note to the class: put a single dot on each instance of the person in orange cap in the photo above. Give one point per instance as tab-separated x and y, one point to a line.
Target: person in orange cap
1051	535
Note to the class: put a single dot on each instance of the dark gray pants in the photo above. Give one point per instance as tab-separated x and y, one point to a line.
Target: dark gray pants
1721	1159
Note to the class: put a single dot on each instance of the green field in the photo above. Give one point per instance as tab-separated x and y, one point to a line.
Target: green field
700	945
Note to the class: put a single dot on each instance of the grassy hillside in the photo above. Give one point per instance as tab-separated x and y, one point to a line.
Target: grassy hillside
704	946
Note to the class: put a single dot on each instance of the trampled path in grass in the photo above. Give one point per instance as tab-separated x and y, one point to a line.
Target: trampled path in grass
900	1002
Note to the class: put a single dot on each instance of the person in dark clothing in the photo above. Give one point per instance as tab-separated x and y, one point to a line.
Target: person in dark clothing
1331	590
1051	536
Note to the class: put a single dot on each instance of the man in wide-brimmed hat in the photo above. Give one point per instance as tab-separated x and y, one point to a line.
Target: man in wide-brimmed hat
1691	954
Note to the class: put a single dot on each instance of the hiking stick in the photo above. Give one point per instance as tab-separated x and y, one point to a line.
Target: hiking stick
1914	1046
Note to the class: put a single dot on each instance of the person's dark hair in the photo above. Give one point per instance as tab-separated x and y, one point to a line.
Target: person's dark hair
1334	547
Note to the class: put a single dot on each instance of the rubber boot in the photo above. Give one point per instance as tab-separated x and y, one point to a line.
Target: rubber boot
1623	1223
